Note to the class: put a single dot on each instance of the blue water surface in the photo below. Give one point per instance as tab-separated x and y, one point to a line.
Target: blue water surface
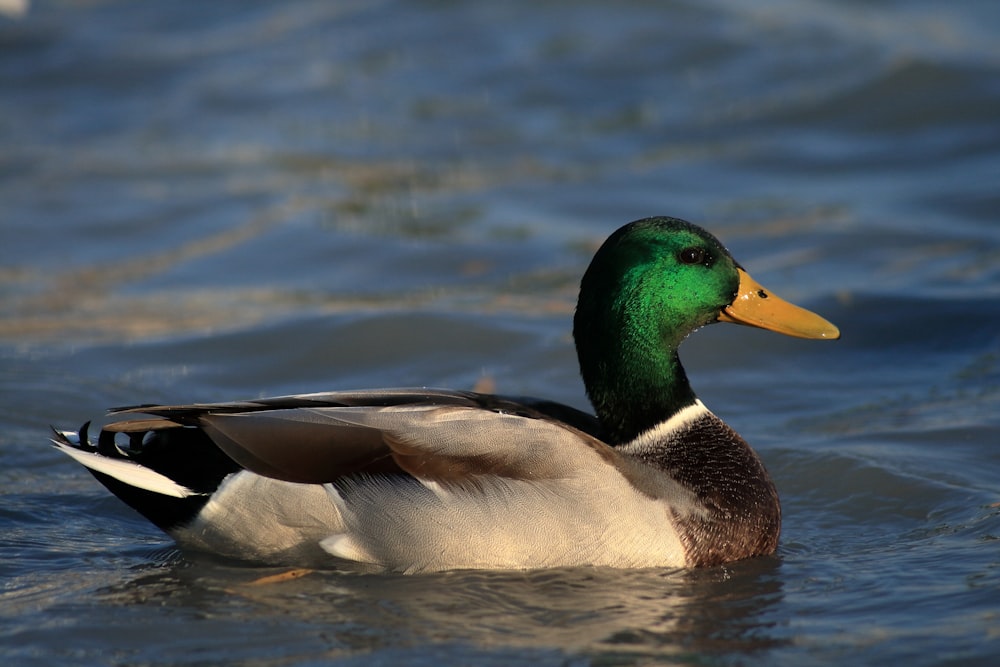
212	201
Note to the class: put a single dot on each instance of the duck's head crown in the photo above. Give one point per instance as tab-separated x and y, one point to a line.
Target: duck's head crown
661	273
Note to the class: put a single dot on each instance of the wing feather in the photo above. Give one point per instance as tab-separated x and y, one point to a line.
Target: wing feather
441	436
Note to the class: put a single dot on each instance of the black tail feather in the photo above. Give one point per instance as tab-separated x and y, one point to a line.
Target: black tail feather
184	454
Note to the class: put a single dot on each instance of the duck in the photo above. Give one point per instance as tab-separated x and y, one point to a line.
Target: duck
427	480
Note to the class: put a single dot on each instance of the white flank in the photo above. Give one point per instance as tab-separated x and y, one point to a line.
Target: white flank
128	472
434	487
344	546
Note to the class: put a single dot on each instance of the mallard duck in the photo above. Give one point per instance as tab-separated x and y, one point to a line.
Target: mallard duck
418	480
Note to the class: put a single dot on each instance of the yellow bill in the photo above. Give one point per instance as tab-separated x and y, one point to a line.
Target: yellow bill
756	307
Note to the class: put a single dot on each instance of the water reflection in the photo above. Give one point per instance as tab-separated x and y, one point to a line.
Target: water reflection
602	613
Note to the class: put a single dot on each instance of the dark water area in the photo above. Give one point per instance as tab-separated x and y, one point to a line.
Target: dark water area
212	201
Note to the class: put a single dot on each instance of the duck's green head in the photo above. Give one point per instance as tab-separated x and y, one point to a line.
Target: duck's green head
652	283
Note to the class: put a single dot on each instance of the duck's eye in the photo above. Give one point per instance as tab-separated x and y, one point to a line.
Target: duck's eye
692	256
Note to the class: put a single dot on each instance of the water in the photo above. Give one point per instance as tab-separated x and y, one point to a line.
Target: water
227	200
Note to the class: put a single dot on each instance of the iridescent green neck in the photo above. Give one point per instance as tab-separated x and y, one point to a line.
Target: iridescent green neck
633	376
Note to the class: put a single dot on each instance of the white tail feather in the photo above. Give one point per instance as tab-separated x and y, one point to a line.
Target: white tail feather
128	472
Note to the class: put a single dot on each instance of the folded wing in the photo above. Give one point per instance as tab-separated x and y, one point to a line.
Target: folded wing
445	437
